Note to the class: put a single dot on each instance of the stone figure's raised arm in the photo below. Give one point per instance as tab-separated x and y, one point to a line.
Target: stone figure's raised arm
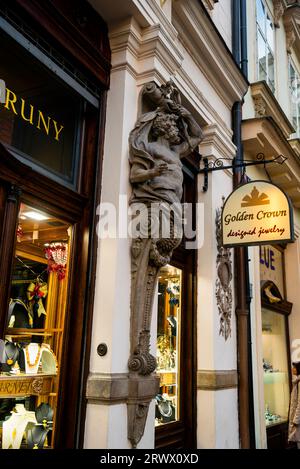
192	132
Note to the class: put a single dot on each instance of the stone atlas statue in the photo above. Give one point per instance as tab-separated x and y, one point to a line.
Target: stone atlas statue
157	143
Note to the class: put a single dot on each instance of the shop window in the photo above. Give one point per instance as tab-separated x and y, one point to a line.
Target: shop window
265	31
41	117
168	345
275	365
294	88
34	339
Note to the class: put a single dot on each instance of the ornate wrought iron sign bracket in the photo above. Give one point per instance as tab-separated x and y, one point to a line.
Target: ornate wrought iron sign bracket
218	164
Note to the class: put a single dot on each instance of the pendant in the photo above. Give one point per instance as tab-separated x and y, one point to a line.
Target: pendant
10	361
45	423
35	446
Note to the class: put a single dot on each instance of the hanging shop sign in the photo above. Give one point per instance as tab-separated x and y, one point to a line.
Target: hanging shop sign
257	213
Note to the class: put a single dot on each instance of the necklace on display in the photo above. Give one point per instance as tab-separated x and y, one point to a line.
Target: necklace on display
11	353
44	415
29	351
165	408
37	437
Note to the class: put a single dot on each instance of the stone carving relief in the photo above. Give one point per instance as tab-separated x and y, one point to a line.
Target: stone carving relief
223	282
259	106
290	39
279	8
160	139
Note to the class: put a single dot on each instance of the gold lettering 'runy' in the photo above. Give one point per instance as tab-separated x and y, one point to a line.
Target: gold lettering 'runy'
32	116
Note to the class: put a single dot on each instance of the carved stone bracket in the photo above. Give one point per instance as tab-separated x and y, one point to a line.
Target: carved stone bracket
210	4
260	106
223	281
159	140
279	8
291	20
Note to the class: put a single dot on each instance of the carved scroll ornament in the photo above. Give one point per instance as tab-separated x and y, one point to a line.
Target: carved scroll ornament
159	140
223	282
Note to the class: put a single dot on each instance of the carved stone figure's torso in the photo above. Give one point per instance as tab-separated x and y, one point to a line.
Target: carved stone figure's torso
166	187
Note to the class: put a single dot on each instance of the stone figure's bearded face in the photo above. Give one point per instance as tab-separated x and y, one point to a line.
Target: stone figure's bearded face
165	125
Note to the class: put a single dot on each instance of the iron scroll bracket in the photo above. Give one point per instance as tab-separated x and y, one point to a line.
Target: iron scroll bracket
219	164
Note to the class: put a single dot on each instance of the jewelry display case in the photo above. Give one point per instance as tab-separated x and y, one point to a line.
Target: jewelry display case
168	349
33	343
276	363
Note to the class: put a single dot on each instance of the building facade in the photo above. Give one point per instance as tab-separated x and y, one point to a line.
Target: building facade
270	126
83	86
189	43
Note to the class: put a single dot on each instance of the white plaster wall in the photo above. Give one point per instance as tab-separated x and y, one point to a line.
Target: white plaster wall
227	419
112	299
96	424
206	431
221	16
217	410
218	421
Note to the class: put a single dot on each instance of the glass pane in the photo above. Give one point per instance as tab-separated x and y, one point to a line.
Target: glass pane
260	14
275	365
35	331
270	33
292	73
40	118
261	56
271	79
168	345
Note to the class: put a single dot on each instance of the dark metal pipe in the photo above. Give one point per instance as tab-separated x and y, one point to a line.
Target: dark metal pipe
239	48
236	27
244	48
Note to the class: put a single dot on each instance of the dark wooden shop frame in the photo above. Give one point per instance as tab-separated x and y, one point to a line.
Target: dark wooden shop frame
182	434
80	35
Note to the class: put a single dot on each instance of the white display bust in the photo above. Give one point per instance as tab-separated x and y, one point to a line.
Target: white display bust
14	427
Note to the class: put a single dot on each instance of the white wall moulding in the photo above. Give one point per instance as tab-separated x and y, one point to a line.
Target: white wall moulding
216	380
216	143
264	135
266	104
291	20
208	50
144	52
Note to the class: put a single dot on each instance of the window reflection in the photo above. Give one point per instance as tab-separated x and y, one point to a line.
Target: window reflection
265	44
168	346
294	85
275	365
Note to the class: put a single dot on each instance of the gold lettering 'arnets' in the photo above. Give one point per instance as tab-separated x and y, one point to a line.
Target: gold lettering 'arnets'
34	117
